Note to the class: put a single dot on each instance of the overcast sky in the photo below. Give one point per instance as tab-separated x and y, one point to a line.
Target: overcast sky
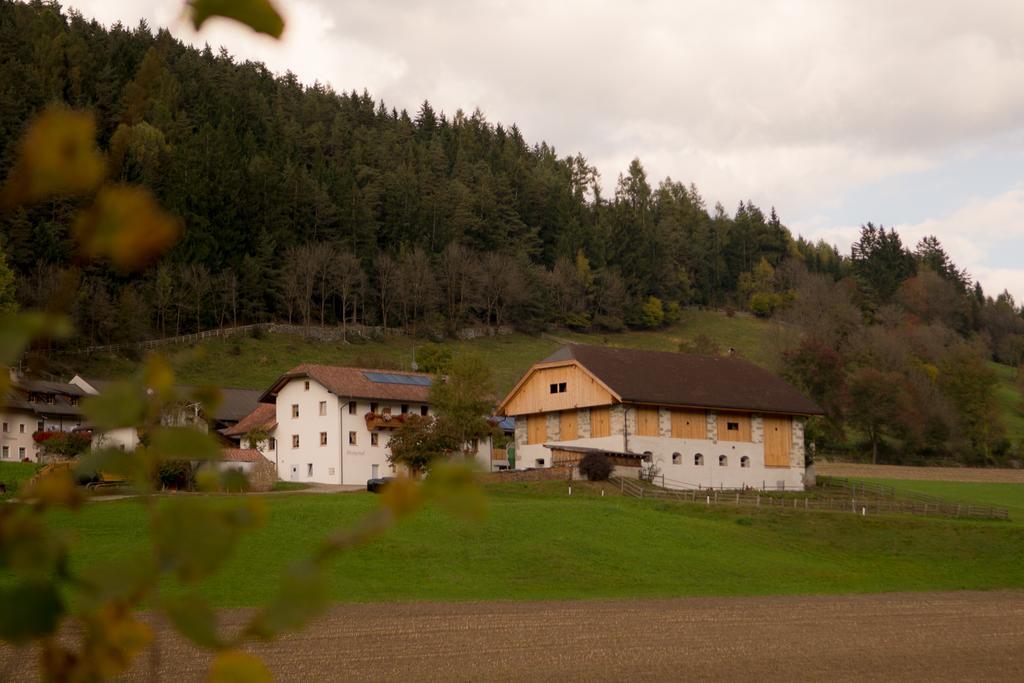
909	114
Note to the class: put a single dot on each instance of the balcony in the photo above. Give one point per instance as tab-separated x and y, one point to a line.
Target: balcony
375	421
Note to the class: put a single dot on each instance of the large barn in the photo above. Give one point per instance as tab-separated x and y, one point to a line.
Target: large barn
710	422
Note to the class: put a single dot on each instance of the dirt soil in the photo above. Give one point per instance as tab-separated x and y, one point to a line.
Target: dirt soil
976	636
977	474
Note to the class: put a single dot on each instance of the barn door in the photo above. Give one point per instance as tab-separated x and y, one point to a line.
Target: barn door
778	440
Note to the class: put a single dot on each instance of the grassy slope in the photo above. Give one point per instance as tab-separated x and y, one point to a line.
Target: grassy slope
536	543
258	362
1011	401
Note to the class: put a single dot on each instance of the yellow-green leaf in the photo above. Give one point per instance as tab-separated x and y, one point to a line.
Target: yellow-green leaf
192	538
301	596
237	667
122	404
259	15
31	609
194	619
183	443
57	156
126	225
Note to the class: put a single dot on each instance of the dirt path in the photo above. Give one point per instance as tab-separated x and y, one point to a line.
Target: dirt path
898	636
977	474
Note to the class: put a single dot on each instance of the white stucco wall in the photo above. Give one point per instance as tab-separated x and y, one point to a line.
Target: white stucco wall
685	474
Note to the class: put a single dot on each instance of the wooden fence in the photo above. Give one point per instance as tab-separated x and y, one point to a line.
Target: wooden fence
870	502
331	333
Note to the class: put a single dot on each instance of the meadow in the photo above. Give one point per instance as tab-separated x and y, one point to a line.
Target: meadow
537	542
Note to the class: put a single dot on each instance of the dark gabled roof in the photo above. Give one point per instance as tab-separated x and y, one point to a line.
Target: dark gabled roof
264	416
358	383
667	378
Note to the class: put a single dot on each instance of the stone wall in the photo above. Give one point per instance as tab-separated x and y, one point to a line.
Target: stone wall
554	429
712	421
583	423
796	451
665	422
757	428
262	475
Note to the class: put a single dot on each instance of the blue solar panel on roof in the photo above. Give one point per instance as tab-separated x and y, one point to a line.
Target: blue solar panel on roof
388	378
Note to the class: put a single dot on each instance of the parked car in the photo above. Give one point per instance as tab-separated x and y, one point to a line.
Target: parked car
376	485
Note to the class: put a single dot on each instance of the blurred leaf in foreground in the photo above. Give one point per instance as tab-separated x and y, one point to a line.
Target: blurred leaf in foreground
259	15
238	667
57	156
126	225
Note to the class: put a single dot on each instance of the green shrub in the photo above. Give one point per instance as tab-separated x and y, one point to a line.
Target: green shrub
596	467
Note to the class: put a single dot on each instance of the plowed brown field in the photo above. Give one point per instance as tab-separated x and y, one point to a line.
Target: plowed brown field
893	637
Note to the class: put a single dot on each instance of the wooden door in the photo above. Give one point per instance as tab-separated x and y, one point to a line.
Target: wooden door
600	422
647	421
689	424
568	427
778	440
536	428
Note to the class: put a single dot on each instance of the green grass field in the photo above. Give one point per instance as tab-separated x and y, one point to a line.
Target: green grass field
538	543
14	474
1009	496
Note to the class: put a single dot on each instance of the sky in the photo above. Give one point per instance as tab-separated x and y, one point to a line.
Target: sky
908	114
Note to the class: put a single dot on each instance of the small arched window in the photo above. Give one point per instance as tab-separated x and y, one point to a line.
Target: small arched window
723	460
698	460
677	459
744	461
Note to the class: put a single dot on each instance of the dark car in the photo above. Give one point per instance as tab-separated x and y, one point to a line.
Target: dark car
375	485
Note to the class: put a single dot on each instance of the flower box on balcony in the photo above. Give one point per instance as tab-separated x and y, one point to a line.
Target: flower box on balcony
383	421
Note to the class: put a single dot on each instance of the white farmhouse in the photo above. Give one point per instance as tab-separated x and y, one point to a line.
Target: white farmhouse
332	425
31	409
701	421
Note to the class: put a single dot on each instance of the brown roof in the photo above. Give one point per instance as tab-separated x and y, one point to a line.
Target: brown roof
358	383
241	455
667	378
234	403
263	417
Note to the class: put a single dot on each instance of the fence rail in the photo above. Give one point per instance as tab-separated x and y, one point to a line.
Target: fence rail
331	333
867	504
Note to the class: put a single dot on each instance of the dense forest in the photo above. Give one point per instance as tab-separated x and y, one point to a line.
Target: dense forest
306	205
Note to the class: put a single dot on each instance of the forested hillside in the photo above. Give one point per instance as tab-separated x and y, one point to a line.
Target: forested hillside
308	205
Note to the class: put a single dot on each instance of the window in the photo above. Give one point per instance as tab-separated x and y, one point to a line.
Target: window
374	438
40	426
561	387
723	461
323	438
323	408
21	453
557	388
405	408
373	407
677	459
351	407
309	469
74	400
539	462
272	444
352	438
424	410
744	461
554	388
5	426
295	410
698	460
732	426
305	385
295	440
7	452
21	428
